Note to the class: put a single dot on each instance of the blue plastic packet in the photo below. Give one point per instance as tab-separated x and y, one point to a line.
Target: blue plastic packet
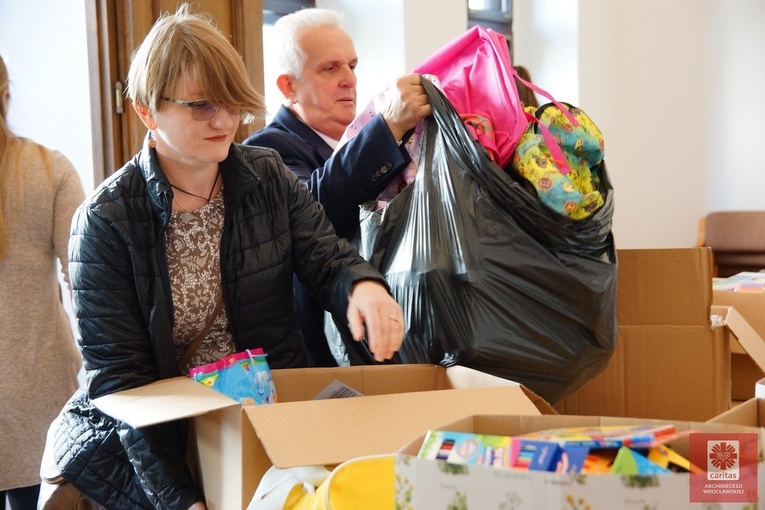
244	376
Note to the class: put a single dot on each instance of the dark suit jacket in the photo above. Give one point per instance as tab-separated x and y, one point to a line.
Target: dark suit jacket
358	172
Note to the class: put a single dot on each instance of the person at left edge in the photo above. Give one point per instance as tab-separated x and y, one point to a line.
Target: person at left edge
39	192
193	216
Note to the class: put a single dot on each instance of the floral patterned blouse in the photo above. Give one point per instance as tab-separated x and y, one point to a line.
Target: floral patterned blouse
193	255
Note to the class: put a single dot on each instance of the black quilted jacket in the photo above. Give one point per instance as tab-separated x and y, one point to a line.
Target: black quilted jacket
123	305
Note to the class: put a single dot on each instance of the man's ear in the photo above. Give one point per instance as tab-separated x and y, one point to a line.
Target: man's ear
285	82
145	114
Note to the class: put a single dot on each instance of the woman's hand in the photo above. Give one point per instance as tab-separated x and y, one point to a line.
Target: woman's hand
372	310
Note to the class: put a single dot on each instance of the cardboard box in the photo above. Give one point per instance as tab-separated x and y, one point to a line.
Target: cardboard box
751	306
750	414
673	358
236	445
422	483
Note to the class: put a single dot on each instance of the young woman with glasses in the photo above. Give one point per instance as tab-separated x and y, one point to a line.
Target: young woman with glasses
195	230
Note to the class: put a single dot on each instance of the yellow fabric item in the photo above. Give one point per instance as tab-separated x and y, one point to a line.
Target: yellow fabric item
364	482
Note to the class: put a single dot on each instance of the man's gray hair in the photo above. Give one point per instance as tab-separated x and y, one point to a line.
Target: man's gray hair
287	29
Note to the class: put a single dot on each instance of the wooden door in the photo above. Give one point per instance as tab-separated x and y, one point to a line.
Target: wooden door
115	29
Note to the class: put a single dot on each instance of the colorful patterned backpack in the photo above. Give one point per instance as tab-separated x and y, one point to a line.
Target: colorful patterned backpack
560	155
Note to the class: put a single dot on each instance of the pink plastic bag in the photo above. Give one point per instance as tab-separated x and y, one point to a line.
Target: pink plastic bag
477	77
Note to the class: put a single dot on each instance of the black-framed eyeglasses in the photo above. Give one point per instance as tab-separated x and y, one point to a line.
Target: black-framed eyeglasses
201	109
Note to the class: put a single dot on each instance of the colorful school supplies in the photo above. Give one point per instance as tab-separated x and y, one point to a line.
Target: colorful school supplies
628	450
244	376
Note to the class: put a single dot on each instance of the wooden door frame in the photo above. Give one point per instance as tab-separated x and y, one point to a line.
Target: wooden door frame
114	30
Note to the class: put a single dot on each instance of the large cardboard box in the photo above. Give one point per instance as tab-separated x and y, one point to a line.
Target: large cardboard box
422	483
236	445
674	349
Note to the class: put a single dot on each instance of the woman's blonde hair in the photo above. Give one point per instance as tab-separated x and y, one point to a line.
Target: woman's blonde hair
11	174
186	42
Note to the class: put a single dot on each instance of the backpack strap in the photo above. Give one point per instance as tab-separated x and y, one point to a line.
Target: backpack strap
549	96
552	144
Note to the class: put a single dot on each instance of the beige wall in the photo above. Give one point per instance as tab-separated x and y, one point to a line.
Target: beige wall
674	85
50	88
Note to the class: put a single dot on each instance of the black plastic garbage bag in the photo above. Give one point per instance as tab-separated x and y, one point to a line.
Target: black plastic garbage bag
488	276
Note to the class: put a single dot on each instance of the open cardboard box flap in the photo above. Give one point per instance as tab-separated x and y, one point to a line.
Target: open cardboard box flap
750	413
162	401
328	432
749	304
749	339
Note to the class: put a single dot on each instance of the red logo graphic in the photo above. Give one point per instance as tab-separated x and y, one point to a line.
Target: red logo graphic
726	467
723	455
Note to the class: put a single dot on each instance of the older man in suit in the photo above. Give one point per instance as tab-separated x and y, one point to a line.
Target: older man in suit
317	60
